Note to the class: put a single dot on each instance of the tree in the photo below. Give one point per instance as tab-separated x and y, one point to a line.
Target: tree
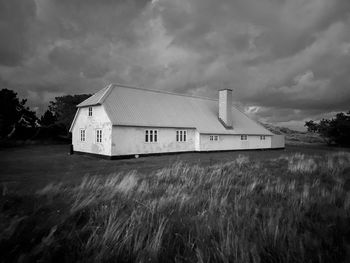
48	118
63	109
14	114
311	126
334	131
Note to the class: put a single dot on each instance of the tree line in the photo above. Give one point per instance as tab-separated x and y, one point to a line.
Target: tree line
335	131
18	121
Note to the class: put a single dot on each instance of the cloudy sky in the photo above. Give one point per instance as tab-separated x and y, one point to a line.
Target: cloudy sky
286	60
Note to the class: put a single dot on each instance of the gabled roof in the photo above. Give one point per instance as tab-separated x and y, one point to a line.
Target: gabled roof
141	107
97	98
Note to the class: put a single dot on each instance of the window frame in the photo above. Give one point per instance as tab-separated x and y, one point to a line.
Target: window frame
181	136
82	135
90	111
262	137
98	137
151	136
214	138
244	137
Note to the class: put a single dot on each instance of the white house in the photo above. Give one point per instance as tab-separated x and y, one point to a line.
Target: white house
121	120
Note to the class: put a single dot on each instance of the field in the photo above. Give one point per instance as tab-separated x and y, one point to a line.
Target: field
288	205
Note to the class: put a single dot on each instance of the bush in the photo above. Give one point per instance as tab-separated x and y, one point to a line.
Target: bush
334	131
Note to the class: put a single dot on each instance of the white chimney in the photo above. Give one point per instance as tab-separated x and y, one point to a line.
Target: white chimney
225	108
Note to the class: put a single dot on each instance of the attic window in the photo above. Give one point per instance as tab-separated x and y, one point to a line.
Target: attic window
213	137
244	137
90	111
151	135
181	136
262	137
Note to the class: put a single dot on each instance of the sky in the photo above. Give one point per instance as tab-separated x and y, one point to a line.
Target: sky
287	61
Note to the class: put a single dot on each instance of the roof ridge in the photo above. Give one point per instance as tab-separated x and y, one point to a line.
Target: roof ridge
105	93
161	91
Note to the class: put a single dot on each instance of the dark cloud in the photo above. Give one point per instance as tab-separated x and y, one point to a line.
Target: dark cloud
298	23
109	19
288	60
68	58
16	20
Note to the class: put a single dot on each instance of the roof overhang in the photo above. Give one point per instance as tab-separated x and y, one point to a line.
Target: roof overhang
75	117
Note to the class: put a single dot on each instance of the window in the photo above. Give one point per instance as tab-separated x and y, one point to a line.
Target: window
244	137
90	111
262	137
213	137
181	136
151	136
98	135
82	135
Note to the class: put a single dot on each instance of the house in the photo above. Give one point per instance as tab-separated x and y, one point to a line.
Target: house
120	120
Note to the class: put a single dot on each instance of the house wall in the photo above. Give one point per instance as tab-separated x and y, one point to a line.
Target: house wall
128	140
98	120
277	141
233	142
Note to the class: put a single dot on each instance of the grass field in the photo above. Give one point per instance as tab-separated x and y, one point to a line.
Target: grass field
290	205
30	168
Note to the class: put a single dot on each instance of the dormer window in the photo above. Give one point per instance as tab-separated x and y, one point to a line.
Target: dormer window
90	111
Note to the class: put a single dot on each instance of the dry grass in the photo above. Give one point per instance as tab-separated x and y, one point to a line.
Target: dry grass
292	209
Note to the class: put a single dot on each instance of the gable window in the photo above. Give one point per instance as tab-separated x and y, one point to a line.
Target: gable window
90	111
99	135
151	135
82	135
213	137
181	136
262	137
244	137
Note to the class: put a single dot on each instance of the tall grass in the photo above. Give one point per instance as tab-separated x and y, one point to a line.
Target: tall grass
292	209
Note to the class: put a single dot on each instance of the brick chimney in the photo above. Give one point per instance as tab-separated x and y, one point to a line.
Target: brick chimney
225	108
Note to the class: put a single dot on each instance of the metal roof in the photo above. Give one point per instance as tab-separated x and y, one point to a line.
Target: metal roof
133	106
97	98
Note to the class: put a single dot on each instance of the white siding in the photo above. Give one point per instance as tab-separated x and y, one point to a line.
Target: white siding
233	142
98	120
197	141
277	141
128	140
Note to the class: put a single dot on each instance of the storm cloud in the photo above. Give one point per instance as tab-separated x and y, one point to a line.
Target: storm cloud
286	60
